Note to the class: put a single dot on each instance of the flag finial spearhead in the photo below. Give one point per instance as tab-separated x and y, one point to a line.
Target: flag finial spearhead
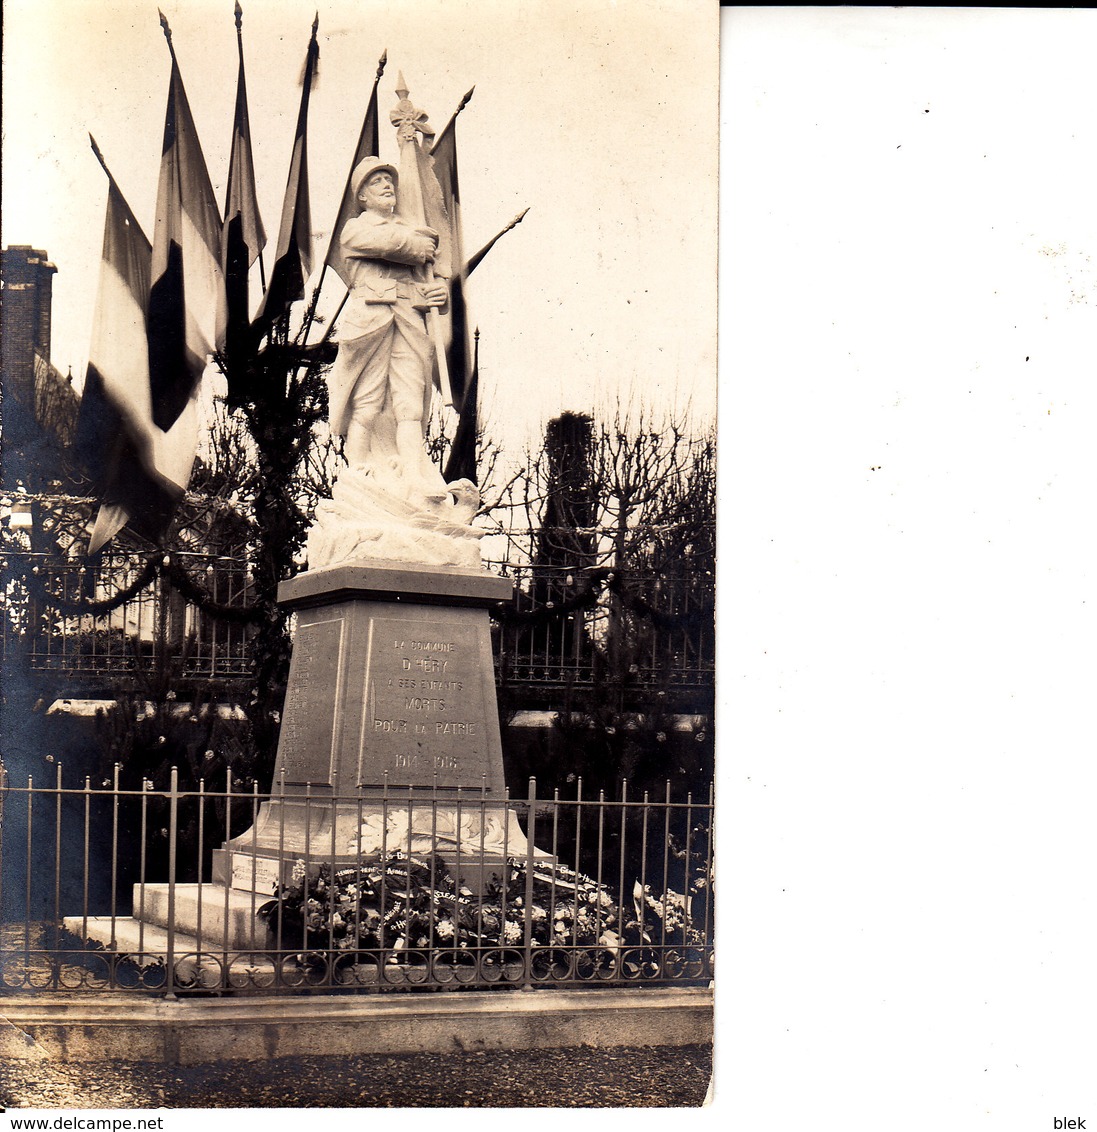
96	150
465	101
315	25
167	32
239	16
381	64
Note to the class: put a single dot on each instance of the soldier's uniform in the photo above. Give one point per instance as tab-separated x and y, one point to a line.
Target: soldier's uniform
384	349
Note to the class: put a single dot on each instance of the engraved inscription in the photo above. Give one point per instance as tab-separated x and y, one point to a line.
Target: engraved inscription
425	713
254	874
307	738
405	759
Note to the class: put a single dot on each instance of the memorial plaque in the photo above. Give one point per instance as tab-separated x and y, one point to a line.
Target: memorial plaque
425	710
255	874
307	742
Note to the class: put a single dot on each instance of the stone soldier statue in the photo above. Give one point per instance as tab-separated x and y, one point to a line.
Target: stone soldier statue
380	385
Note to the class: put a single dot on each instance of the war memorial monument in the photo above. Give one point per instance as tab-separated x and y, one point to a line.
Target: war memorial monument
391	685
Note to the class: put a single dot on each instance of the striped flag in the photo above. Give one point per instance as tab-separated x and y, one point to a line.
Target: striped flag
243	236
186	312
455	321
368	146
136	468
293	259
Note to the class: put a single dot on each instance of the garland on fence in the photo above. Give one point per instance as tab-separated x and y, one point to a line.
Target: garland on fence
185	585
599	580
157	565
38	590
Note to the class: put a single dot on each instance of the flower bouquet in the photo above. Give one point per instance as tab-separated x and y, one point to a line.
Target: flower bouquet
407	911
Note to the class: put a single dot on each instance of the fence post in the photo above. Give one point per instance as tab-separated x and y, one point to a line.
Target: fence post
173	829
114	866
87	850
666	874
382	927
230	858
527	932
620	932
279	970
55	927
30	866
431	956
254	860
201	802
710	924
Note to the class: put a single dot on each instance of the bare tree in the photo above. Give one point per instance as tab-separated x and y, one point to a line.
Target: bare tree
639	489
623	511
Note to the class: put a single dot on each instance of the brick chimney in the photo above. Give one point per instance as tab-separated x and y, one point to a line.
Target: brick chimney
26	309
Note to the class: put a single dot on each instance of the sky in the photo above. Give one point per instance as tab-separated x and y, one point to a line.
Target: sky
601	117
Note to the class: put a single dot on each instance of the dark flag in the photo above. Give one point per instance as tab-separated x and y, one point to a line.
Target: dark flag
293	259
127	457
461	463
368	146
455	322
243	237
186	312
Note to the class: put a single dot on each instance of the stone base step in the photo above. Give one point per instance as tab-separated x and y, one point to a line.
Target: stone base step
234	970
146	945
214	905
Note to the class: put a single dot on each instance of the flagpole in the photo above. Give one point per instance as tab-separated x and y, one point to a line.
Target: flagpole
309	79
293	257
335	318
239	14
474	263
453	117
408	122
95	149
186	300
358	155
167	35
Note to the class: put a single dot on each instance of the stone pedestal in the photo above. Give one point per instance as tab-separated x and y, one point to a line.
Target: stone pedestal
390	704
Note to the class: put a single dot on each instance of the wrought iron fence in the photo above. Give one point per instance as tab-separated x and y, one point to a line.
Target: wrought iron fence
46	631
567	627
655	628
106	889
